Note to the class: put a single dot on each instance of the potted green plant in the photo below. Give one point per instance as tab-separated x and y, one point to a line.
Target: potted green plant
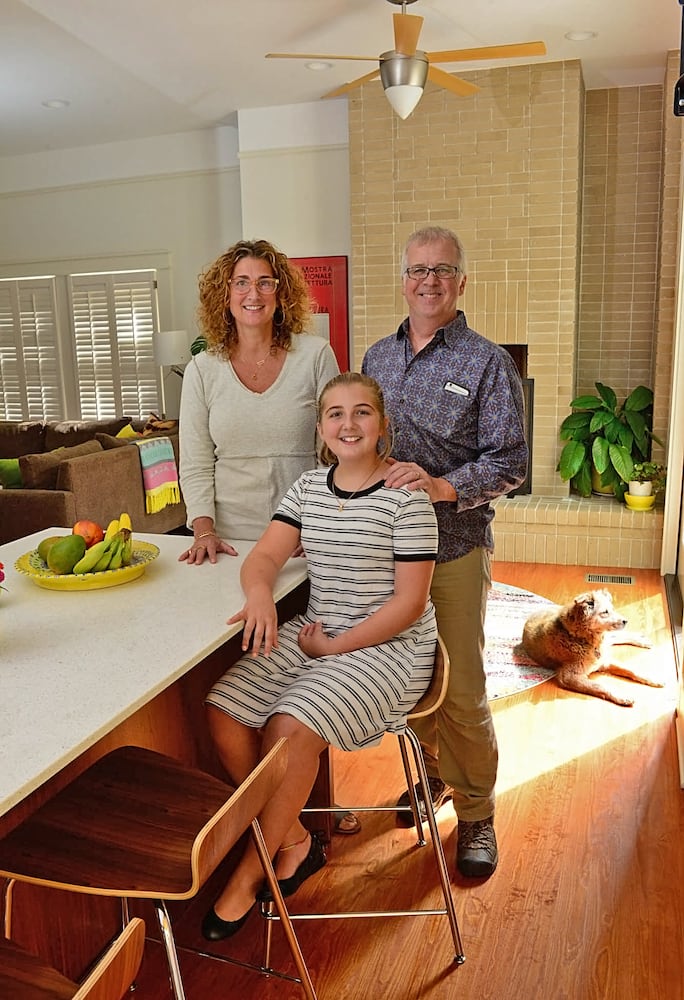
604	438
648	478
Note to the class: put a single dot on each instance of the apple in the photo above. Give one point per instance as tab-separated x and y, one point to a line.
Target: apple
90	532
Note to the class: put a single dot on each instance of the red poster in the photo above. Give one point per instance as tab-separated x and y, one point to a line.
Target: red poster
327	280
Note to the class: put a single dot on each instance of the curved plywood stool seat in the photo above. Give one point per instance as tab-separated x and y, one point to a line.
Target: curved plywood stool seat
24	976
138	824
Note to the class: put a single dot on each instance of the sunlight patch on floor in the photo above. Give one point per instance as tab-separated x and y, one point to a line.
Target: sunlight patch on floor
528	729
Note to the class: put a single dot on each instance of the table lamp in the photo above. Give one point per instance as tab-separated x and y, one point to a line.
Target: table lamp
171	350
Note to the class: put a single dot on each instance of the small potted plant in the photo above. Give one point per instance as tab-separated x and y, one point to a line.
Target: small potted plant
647	478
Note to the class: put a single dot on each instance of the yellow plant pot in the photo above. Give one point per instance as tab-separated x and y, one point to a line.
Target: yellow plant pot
605	491
639	503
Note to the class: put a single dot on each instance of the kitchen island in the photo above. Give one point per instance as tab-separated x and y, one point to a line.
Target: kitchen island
83	672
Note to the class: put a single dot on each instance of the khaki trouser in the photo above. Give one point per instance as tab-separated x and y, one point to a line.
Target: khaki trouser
459	741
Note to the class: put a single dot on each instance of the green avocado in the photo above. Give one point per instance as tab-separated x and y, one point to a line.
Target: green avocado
65	553
47	544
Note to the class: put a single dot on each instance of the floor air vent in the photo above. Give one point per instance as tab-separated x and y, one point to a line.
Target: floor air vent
608	578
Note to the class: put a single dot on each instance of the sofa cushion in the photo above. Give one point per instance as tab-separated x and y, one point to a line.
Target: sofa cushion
10	474
66	433
21	437
39	472
108	442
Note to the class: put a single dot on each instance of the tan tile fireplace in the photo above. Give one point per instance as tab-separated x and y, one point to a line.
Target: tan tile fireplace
566	204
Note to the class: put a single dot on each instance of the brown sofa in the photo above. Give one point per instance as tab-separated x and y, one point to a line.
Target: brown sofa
95	477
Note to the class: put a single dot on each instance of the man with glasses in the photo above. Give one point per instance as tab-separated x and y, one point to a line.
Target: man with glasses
456	405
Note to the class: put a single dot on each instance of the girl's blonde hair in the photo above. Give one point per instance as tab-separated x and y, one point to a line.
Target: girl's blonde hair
293	300
327	456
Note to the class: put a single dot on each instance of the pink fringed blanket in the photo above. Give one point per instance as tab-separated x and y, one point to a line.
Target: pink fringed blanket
159	472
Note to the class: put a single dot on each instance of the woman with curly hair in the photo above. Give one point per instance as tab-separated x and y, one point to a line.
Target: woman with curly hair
248	405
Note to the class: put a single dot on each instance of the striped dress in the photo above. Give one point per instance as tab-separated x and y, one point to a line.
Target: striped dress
349	699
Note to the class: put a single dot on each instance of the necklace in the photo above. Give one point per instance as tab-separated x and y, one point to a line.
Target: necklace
260	364
341	504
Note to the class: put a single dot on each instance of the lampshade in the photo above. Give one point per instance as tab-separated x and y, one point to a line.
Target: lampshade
171	347
403	79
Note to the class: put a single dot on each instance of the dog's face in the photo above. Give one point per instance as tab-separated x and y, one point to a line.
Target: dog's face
594	612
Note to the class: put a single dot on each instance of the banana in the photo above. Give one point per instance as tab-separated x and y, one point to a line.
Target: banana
126	529
117	552
128	550
106	557
96	552
112	529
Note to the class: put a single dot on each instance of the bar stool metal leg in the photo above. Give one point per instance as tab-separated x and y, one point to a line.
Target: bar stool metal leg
164	921
438	849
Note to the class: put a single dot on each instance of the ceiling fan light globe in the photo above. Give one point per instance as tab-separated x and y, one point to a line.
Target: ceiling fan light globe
403	98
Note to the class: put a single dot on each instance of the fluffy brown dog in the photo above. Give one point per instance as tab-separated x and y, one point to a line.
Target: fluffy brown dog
573	640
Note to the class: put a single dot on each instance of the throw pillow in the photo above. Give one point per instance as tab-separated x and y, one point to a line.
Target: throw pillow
10	474
155	426
39	472
127	432
108	442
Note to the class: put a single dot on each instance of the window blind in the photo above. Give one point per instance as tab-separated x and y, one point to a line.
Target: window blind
114	317
30	367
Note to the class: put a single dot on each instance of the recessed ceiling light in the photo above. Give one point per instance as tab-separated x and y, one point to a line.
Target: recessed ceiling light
56	104
580	36
318	65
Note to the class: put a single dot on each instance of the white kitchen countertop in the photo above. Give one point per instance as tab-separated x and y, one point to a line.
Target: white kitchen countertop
75	665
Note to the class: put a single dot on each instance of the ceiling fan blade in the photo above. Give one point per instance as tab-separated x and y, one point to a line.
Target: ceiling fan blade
346	87
489	52
312	55
406	33
453	83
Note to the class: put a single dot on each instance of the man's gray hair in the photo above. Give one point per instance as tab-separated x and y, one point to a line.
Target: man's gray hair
431	234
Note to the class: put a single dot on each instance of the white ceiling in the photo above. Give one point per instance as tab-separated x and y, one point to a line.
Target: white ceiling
135	68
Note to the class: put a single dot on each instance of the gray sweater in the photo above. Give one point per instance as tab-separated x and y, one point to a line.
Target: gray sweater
240	450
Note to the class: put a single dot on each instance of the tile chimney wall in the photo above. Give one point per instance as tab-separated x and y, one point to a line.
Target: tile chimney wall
558	197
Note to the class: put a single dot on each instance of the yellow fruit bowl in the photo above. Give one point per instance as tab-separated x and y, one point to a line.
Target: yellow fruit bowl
31	565
639	503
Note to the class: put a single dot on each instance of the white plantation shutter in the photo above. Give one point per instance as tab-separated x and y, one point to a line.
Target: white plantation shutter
114	318
30	367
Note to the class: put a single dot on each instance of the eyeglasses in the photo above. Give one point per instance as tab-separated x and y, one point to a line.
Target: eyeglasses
419	271
266	286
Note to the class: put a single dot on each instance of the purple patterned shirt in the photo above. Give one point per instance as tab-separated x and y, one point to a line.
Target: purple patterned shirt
456	410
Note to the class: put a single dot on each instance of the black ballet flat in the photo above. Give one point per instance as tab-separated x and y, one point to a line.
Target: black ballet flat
216	929
312	863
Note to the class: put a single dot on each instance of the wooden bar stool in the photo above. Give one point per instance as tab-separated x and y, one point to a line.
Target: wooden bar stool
429	703
24	976
138	824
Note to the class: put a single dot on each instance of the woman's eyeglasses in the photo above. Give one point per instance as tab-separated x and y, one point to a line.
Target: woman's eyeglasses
419	271
266	286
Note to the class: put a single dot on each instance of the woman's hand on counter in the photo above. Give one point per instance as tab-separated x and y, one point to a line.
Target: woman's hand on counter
207	546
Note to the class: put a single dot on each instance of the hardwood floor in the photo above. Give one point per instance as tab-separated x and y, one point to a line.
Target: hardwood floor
588	899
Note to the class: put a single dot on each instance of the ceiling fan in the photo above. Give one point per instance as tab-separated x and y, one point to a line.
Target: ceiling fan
405	69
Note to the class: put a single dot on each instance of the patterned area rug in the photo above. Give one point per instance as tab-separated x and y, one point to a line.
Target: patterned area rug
508	670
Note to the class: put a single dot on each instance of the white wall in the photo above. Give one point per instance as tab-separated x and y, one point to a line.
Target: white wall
181	198
283	175
175	198
294	176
